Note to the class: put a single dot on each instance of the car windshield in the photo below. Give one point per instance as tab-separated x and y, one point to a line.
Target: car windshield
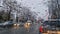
52	23
1	21
5	21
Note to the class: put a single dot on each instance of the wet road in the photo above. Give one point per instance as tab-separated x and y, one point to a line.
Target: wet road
20	30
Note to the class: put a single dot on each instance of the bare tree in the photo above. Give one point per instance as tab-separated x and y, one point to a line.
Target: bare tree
27	14
9	6
23	13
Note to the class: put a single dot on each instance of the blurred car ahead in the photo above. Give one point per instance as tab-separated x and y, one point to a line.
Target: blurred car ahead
50	27
6	24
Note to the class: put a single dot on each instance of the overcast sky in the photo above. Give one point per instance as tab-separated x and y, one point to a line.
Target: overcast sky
38	6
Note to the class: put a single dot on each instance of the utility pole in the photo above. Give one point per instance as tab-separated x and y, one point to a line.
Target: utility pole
58	10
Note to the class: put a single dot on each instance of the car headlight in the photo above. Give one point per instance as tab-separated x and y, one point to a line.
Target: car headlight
29	23
15	24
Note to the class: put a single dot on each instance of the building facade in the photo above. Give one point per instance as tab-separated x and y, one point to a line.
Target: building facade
54	9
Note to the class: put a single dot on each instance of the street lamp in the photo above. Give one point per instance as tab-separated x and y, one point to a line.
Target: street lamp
14	17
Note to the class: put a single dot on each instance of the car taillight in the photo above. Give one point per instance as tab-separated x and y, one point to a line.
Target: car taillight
41	29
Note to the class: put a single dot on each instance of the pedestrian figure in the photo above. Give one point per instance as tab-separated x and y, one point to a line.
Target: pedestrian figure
40	30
